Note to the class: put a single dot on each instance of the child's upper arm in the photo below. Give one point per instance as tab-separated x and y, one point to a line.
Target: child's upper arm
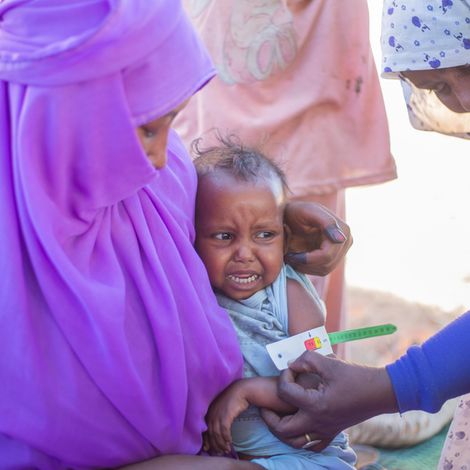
305	312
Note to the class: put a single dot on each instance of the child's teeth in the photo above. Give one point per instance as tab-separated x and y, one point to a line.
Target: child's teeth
243	280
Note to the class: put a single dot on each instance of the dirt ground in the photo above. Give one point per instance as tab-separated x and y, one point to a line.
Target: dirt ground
415	323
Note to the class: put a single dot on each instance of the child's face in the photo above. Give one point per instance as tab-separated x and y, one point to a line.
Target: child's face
239	233
154	136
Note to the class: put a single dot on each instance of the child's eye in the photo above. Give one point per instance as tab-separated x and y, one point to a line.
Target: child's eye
265	235
223	236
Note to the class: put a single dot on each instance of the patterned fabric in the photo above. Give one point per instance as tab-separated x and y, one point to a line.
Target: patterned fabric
259	320
113	344
456	451
424	34
427	35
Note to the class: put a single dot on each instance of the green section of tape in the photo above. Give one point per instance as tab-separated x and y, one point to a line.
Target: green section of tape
361	333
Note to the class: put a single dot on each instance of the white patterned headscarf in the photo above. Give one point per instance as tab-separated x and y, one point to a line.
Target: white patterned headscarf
426	35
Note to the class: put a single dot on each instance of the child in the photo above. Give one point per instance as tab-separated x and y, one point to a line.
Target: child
241	239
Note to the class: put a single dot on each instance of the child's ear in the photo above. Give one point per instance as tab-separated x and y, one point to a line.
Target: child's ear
287	237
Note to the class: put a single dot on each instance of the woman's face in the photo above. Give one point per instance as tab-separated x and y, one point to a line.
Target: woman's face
154	136
451	85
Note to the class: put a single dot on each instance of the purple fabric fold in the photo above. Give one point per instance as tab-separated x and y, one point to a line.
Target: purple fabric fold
113	344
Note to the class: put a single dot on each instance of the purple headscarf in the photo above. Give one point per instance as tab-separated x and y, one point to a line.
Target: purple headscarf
112	343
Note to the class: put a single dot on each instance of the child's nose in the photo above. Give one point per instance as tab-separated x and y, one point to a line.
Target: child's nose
244	252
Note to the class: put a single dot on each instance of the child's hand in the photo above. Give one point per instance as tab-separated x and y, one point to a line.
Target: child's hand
223	410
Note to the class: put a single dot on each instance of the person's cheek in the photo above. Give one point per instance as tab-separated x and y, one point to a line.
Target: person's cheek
214	272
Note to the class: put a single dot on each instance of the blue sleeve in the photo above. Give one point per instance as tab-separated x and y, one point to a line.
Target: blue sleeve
428	375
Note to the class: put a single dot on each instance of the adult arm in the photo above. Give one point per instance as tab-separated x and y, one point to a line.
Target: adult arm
347	394
424	378
429	375
318	239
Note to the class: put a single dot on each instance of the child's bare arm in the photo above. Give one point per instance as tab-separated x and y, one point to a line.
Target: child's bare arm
305	312
257	391
262	392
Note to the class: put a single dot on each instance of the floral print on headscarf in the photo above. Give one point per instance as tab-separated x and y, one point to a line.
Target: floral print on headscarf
427	35
424	34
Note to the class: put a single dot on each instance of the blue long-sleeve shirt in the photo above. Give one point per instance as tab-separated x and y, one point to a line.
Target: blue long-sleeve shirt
428	375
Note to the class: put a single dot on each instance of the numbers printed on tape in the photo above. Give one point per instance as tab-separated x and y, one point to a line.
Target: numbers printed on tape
289	349
361	333
312	343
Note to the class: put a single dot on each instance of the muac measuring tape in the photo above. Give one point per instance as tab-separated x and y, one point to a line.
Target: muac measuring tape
361	333
317	339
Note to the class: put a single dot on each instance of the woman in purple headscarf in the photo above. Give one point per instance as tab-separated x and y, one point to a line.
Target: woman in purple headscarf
112	342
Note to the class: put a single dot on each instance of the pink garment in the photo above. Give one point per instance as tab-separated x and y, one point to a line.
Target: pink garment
113	344
301	74
299	78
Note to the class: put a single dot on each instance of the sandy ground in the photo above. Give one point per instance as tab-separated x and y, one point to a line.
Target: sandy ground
415	323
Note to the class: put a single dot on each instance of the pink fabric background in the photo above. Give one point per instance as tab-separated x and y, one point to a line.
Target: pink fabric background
299	78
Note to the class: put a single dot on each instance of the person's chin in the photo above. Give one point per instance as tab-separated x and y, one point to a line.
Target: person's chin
241	291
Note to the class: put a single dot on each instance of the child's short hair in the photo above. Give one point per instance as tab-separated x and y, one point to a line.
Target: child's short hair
232	157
